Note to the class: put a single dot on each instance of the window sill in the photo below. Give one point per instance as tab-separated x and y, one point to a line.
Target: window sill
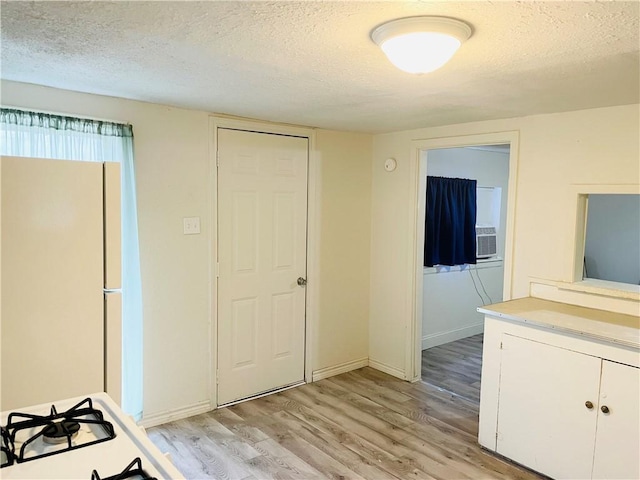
482	264
603	288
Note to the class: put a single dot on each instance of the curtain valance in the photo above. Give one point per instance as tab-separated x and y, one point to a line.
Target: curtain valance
26	118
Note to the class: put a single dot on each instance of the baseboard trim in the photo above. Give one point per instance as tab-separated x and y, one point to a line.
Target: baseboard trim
167	416
338	369
440	338
383	367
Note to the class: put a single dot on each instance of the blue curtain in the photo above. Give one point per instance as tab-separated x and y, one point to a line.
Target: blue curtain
450	223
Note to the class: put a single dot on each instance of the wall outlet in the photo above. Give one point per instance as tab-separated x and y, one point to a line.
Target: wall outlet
191	225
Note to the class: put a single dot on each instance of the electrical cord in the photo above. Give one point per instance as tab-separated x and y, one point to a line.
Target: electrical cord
482	284
475	286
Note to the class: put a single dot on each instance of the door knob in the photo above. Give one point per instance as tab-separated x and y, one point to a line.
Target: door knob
588	404
604	409
302	281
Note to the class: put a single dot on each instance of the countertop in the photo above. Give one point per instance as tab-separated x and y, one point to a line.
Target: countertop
598	324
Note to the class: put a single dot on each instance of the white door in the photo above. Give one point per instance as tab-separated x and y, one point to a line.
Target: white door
262	235
618	439
52	280
543	422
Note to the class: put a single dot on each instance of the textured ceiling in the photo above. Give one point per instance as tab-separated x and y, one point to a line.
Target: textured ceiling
313	63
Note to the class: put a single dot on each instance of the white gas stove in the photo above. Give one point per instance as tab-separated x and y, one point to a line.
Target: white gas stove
87	438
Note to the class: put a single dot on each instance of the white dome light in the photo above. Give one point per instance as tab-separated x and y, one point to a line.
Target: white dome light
420	44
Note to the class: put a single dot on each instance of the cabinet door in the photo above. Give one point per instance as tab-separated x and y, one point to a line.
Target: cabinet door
543	422
618	438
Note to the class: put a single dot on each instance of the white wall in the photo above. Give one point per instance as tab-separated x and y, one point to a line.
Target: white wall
449	296
598	146
343	334
172	175
450	299
171	148
612	244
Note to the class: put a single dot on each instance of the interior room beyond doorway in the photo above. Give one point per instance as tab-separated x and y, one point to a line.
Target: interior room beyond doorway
451	293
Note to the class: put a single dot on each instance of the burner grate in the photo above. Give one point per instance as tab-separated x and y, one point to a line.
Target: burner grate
57	429
6	448
133	470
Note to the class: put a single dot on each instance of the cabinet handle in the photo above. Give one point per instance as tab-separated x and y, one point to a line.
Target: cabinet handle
588	404
604	409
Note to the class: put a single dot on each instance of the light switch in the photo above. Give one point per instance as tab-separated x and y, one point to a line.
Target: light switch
191	225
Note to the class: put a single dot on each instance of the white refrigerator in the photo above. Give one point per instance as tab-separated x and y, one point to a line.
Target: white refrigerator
60	323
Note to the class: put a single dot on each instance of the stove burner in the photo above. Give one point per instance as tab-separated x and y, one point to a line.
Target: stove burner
56	430
133	470
60	432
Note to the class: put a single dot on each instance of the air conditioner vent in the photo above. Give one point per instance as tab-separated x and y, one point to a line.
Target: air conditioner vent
485	230
486	242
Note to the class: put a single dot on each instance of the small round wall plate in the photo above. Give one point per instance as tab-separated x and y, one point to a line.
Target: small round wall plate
390	164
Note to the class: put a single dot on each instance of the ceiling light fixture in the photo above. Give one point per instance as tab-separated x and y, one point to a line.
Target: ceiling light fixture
420	44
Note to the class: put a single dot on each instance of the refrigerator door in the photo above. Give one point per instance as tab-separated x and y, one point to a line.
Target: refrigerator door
113	345
52	327
112	282
112	227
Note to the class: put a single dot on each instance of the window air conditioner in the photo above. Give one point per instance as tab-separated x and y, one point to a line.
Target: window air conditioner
486	242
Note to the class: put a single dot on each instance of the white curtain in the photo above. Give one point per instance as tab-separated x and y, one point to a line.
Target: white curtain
32	134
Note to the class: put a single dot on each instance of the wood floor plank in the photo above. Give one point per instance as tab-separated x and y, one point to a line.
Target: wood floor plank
439	437
317	457
367	462
423	428
354	450
455	366
359	425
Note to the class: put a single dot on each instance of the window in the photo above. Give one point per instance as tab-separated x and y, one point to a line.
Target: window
612	239
34	134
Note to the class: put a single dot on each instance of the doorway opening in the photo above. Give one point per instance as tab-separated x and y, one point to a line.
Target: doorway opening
449	345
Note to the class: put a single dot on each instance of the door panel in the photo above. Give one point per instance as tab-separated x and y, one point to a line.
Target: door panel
284	235
52	279
244	245
543	422
243	330
262	218
283	315
618	438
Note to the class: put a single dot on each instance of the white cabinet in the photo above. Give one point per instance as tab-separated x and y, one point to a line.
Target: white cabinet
542	419
550	411
617	451
557	401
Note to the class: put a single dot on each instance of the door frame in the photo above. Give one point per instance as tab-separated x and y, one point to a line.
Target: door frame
313	230
418	172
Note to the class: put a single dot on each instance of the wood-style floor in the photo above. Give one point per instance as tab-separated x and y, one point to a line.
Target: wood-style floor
455	367
359	425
